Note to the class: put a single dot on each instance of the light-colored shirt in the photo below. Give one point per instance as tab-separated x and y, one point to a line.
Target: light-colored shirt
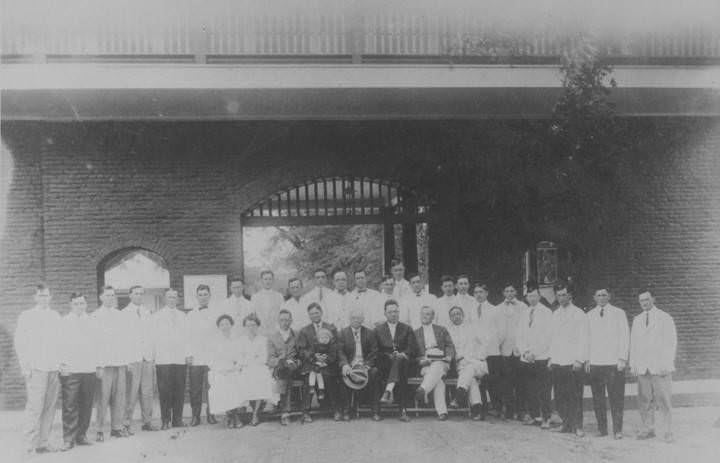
254	350
489	324
139	317
317	294
468	344
569	339
653	343
37	338
402	289
392	327
79	343
509	314
357	333
534	332
468	304
411	305
338	306
202	328
298	311
171	336
429	336
368	301
609	335
118	332
266	305
443	306
237	307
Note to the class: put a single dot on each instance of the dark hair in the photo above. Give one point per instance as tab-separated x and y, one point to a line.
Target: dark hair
560	286
412	275
252	317
314	305
106	288
318	270
532	286
387	277
282	311
339	271
481	285
202	287
294	279
76	295
599	287
456	307
461	276
645	290
236	278
266	272
395	262
390	302
446	278
509	284
224	317
355	273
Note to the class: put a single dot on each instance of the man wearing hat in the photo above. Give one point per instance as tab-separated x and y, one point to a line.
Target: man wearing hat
357	350
283	359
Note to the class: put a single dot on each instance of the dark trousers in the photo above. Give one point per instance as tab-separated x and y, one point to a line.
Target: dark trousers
285	379
395	370
78	392
171	388
513	395
490	383
352	397
569	386
607	378
537	386
333	393
198	388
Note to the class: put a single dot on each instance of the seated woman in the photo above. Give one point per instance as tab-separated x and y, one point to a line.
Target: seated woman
256	382
224	375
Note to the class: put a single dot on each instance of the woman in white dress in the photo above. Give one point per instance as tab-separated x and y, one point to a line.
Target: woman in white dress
256	383
225	367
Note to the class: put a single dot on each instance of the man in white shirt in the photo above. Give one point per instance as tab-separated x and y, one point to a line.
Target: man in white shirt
568	354
367	300
294	304
435	352
410	306
141	369
490	326
115	329
339	301
202	324
464	299
609	337
78	371
446	301
237	305
401	288
36	344
533	341
653	345
319	292
509	311
469	362
172	349
266	302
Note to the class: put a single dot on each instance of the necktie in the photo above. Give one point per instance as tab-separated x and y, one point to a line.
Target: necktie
602	311
532	314
647	318
320	297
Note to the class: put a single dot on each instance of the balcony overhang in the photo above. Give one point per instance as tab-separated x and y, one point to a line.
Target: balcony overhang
91	91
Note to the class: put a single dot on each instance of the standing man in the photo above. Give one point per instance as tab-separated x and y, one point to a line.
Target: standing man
568	354
78	371
114	329
202	323
294	304
401	287
609	337
237	305
533	341
653	345
469	362
377	314
435	352
171	332
283	359
339	301
446	301
466	301
142	368
266	302
411	305
509	312
319	292
488	324
364	298
36	344
397	348
357	348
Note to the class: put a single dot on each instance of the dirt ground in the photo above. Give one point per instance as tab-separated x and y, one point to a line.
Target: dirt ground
424	439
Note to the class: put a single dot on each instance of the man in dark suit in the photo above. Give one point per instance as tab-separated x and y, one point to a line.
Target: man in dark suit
306	345
283	359
396	352
357	346
435	352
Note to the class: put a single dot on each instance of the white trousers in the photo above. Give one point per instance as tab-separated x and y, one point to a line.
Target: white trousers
433	381
469	374
42	388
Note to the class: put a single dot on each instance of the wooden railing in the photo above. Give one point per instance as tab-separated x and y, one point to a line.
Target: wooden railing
344	31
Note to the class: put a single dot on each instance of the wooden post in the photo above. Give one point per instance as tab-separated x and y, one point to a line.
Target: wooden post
388	238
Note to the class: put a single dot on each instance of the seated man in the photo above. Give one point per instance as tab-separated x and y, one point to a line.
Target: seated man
469	362
307	345
396	349
357	348
435	352
283	359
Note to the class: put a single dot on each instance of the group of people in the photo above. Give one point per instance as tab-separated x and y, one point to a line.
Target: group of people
346	347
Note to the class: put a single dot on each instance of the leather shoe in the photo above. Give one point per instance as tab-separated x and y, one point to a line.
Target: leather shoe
82	441
67	446
307	418
443	417
128	431
195	421
285	419
211	419
40	450
376	417
100	437
618	436
179	424
119	433
387	397
404	417
149	427
420	395
165	426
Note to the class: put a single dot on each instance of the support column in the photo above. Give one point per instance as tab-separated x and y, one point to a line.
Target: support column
409	244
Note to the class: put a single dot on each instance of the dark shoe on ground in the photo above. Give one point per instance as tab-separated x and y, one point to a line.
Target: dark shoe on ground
128	431
493	412
443	417
179	424
211	419
478	414
67	446
404	417
40	450
646	435
119	433
99	437
82	441
149	427
420	395
165	426
376	417
387	397
285	419
618	436
195	421
307	418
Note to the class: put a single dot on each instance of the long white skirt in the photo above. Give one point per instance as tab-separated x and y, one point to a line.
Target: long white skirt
256	383
225	391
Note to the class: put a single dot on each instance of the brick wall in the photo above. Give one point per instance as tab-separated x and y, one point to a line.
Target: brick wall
83	190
